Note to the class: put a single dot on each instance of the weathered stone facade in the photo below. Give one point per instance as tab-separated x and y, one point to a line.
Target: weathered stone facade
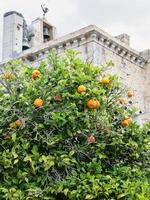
98	46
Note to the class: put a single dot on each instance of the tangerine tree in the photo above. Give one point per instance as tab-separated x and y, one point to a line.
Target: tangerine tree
67	133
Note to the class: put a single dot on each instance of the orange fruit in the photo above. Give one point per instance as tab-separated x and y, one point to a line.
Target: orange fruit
122	101
92	104
38	102
81	89
57	98
129	119
8	76
105	81
36	74
130	94
91	139
125	123
18	123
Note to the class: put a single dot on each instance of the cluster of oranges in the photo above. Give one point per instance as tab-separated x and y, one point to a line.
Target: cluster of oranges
92	103
127	121
17	124
37	103
129	94
35	74
95	104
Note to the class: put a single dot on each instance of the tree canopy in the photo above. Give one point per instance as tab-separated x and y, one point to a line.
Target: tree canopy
67	133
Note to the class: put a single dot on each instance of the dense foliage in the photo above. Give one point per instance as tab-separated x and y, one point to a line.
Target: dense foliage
66	132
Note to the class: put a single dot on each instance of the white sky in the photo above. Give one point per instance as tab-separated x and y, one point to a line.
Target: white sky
114	16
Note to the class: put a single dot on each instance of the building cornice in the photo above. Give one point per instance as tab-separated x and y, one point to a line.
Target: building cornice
83	36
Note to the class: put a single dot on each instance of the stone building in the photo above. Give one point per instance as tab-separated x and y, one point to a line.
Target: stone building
33	43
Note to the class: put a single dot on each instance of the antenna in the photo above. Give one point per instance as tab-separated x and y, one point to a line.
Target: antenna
44	9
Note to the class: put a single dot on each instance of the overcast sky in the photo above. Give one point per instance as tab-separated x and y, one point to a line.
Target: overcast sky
114	16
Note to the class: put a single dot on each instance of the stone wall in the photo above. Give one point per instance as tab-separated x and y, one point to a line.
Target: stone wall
146	85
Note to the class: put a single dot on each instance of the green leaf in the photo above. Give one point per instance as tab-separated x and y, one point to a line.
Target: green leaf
71	153
122	195
16	161
89	196
35	151
15	155
14	137
66	191
48	165
60	188
66	161
28	158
